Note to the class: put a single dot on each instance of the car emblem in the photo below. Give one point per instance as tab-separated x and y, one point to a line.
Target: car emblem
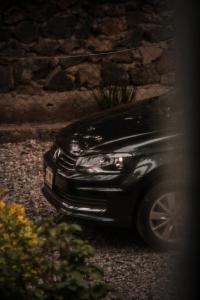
57	154
90	129
75	147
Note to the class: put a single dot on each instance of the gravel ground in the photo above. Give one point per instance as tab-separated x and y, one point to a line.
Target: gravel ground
138	272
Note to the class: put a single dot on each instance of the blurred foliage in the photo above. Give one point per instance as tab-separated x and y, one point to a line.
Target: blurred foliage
113	95
45	261
3	192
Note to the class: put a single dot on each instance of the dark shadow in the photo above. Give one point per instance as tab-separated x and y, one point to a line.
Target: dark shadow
102	235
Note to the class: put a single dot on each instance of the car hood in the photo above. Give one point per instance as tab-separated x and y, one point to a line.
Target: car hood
122	129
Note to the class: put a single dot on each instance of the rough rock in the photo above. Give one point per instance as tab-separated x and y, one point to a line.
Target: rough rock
110	26
41	68
103	10
151	90
132	38
147	15
121	57
63	4
2	45
14	15
71	45
32	69
82	29
73	69
32	89
39	11
71	62
59	81
89	75
4	34
36	38
6	78
133	19
134	5
166	63
23	72
137	55
46	47
158	33
60	27
100	45
26	31
12	49
145	75
113	74
150	53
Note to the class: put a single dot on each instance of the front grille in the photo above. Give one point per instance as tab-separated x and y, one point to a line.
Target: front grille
67	162
83	202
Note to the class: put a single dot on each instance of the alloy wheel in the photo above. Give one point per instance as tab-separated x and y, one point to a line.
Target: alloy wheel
165	217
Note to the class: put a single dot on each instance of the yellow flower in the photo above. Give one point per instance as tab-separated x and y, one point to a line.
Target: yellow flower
12	215
2	204
17	209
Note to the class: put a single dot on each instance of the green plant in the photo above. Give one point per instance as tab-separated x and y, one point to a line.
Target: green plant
45	261
3	192
114	95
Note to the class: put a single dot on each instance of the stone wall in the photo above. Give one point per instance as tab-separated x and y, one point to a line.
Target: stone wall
42	81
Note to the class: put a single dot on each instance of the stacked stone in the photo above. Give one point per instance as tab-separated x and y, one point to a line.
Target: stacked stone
38	39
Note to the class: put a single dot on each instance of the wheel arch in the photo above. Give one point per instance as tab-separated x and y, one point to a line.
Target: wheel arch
158	175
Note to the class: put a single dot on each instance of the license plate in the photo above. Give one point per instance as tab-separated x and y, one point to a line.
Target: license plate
49	177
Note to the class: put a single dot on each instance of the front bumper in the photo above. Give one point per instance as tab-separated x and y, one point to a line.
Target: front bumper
101	199
118	210
80	212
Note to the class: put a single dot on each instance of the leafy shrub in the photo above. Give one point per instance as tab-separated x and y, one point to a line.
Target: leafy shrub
113	95
45	261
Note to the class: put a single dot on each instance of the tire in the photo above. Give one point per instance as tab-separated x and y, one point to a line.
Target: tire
147	212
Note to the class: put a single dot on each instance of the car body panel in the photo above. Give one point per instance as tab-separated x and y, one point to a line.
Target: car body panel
149	131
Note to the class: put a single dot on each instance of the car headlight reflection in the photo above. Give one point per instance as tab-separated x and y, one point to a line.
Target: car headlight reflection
105	163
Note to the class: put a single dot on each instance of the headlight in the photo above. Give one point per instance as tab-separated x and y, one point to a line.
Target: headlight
105	163
55	152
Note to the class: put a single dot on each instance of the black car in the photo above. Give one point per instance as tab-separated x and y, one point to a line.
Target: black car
121	167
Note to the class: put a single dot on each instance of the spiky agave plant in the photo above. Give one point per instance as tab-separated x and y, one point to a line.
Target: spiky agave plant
113	95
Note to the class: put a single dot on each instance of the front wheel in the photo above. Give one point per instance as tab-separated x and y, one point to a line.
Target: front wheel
159	217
